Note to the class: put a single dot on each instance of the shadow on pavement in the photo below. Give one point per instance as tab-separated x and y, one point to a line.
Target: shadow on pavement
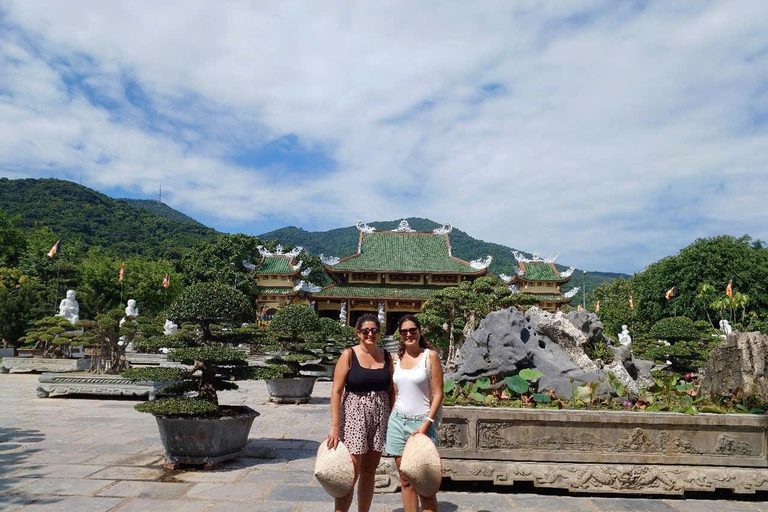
16	445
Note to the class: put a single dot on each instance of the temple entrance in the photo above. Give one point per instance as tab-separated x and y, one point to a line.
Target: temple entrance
354	315
393	318
333	314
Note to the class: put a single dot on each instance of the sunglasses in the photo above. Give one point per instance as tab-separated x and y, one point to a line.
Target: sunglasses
366	332
412	330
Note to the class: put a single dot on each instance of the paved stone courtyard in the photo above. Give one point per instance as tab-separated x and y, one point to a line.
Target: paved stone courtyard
95	455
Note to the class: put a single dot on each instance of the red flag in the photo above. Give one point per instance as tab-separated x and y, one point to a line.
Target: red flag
729	288
631	303
122	272
56	248
166	281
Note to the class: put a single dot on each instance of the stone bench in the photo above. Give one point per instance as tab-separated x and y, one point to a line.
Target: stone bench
42	364
93	384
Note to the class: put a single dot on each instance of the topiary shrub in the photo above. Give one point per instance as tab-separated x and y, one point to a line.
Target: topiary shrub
293	327
675	328
53	334
204	304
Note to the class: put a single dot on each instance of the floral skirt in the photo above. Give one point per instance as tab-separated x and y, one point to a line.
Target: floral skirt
363	419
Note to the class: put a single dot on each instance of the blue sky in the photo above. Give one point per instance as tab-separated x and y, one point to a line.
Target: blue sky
612	132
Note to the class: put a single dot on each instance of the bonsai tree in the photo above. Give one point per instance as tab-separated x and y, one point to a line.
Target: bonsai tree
54	335
112	338
203	304
294	328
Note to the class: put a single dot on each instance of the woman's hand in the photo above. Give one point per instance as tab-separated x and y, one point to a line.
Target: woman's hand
423	428
333	438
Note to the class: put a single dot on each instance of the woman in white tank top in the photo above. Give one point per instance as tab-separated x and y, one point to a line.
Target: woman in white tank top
418	379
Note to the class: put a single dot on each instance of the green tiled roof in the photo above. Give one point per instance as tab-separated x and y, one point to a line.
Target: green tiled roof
549	298
405	252
264	290
541	272
276	265
378	291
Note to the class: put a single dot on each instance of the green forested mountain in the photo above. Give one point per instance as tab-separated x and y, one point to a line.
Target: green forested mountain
86	217
343	242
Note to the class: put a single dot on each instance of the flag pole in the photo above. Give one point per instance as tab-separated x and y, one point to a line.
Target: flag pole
56	290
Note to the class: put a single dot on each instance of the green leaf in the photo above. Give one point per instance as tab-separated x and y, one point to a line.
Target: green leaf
517	384
742	408
621	389
652	408
483	383
541	398
757	410
449	386
478	397
530	375
691	410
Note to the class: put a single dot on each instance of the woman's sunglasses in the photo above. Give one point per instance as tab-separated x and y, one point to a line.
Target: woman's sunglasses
412	330
366	332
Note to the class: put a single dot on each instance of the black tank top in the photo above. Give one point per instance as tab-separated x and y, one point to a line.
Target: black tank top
364	380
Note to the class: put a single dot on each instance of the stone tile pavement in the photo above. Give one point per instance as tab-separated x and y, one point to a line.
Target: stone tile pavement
98	455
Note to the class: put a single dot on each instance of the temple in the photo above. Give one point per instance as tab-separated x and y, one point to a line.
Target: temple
278	281
393	273
541	279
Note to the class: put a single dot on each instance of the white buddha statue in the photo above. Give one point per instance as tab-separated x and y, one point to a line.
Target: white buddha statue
69	308
130	310
170	328
725	326
624	337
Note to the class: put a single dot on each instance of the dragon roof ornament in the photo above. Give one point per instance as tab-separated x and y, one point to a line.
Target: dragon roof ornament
294	252
364	228
513	289
404	227
306	272
444	229
480	264
264	252
552	257
329	260
567	273
571	293
248	265
297	266
305	286
505	278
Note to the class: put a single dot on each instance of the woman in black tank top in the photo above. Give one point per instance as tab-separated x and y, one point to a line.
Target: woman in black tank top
361	402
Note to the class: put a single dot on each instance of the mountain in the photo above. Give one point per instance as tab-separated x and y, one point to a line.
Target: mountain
122	226
343	242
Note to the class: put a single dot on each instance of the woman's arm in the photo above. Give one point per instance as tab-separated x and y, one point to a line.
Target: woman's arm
339	380
436	386
392	391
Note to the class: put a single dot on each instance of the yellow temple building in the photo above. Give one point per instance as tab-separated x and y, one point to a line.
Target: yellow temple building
541	279
279	281
391	274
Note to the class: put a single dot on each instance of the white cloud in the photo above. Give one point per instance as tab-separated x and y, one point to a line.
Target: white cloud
611	133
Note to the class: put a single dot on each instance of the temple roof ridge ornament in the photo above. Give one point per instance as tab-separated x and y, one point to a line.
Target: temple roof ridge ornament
404	227
444	229
306	272
294	252
571	293
264	252
552	257
364	228
306	286
480	264
505	278
567	273
297	266
329	260
248	265
513	289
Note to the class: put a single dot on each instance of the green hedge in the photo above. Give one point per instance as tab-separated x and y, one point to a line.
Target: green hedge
675	328
178	406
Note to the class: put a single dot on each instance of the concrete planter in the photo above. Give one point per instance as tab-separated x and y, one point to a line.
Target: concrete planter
137	359
325	375
7	352
291	391
205	440
605	451
91	384
40	364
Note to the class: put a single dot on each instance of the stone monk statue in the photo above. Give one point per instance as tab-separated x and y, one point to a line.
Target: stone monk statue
69	308
130	310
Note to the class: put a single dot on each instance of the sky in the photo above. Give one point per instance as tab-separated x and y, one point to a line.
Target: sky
615	133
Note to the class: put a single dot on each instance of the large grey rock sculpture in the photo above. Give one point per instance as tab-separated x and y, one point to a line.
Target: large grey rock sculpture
738	362
509	340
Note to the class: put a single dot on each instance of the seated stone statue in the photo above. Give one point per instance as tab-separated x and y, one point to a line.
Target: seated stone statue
624	337
69	308
725	326
130	310
170	328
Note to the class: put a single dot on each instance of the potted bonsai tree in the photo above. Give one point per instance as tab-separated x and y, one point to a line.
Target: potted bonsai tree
197	429
332	339
294	327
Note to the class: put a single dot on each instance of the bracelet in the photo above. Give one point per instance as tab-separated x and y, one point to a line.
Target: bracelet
430	419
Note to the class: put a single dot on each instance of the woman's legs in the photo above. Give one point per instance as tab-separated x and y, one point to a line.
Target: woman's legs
365	485
429	504
410	498
342	504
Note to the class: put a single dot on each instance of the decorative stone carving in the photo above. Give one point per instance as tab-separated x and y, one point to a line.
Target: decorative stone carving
306	286
624	337
107	385
725	326
567	273
364	228
305	273
571	293
481	264
130	311
444	229
170	328
69	308
738	362
404	227
39	364
382	314
343	314
329	260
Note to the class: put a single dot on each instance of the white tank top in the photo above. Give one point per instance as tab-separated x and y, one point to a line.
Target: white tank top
412	387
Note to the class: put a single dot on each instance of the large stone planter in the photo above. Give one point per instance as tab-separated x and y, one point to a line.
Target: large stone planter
326	374
291	391
40	364
7	352
605	451
91	384
137	359
205	440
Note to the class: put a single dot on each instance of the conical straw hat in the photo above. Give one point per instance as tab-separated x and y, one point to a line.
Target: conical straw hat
334	469
421	465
